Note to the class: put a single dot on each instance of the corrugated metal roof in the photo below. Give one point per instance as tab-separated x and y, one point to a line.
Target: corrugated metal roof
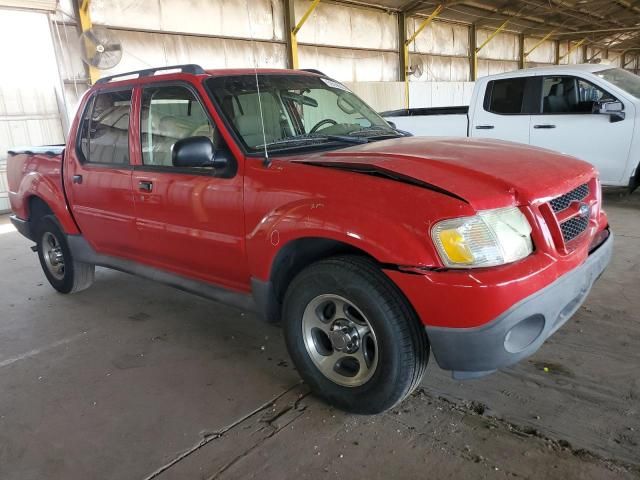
613	24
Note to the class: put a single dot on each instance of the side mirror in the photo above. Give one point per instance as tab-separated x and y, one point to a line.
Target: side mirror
614	109
197	152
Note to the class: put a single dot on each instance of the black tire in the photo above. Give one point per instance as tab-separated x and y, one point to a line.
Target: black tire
402	347
74	276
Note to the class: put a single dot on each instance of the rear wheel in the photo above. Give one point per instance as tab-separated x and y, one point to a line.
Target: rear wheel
63	272
352	335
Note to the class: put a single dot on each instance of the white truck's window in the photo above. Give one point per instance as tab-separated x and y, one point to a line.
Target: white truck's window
570	95
505	96
104	132
622	79
169	114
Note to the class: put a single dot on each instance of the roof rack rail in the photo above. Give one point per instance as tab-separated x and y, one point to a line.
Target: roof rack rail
187	68
312	70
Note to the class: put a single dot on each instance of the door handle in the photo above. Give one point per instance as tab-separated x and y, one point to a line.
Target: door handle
77	179
544	126
484	127
145	185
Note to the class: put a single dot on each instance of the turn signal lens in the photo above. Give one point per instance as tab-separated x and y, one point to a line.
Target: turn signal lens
490	238
454	245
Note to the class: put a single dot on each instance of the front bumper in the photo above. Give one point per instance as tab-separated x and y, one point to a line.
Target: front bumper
521	330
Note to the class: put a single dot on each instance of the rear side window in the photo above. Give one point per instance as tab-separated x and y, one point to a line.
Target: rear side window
506	96
104	132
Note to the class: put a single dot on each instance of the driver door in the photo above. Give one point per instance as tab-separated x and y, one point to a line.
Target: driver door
189	219
568	125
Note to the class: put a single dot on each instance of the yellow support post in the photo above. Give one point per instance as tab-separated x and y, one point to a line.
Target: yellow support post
294	33
484	44
424	24
572	48
542	40
85	24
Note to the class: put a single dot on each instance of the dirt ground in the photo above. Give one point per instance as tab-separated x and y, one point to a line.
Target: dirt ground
135	380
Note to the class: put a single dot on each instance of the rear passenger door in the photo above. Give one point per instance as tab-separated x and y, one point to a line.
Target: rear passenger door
505	112
190	220
97	174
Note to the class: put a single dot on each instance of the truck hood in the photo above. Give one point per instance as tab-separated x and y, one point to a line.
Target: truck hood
485	173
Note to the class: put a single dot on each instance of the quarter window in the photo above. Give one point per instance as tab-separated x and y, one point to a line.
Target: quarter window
104	132
169	114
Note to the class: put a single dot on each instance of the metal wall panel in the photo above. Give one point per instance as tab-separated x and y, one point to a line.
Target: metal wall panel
145	49
28	116
575	56
440	68
504	46
350	65
543	54
440	38
345	26
67	47
595	54
260	19
43	5
384	96
381	96
493	67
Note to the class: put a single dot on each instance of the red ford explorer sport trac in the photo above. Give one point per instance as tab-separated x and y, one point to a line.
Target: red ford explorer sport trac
283	193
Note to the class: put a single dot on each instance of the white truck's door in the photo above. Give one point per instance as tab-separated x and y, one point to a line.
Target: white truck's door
568	125
502	111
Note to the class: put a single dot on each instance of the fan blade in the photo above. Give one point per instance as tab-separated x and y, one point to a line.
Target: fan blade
91	36
114	47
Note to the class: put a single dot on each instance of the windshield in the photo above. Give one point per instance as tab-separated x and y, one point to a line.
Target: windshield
299	111
623	79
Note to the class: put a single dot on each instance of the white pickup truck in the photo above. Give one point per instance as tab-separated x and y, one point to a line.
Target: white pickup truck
591	112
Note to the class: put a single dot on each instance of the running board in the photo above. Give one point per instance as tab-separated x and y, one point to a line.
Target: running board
83	252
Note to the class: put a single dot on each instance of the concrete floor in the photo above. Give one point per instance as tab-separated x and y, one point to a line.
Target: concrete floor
135	380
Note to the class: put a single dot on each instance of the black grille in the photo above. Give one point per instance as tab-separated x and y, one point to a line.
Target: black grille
562	203
574	227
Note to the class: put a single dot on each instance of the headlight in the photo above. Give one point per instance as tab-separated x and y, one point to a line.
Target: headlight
490	238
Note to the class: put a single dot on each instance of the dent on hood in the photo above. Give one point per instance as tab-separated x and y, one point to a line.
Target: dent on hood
377	171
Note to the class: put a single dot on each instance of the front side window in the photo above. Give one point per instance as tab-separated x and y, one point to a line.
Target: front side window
506	96
104	132
169	114
571	95
295	111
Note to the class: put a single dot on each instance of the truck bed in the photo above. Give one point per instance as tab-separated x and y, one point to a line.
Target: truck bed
42	166
437	121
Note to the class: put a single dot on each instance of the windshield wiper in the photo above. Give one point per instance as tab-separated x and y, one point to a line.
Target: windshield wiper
373	132
313	139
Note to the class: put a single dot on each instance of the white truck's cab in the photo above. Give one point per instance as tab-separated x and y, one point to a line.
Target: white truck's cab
587	111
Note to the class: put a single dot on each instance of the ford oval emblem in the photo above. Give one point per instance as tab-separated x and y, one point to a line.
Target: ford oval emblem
585	210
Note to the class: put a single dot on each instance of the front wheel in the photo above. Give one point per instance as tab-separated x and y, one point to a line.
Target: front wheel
354	338
64	273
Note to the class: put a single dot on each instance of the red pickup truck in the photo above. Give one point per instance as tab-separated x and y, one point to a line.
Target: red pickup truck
284	193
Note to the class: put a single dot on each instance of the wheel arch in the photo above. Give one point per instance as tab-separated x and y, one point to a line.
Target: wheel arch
290	260
38	189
